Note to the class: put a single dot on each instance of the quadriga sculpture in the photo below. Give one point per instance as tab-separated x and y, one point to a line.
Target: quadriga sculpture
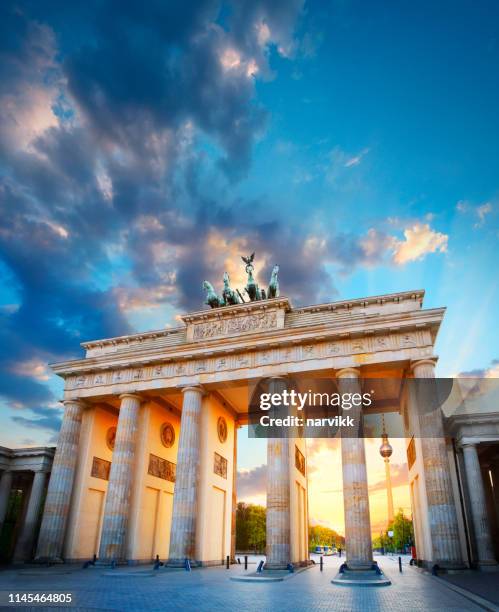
231	297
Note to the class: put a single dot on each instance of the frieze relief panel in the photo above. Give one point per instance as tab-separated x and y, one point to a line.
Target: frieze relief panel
100	468
257	358
220	465
238	325
161	468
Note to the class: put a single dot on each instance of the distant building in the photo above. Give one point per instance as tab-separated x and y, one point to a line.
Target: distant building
23	485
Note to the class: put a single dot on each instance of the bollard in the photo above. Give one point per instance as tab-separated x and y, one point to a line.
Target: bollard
400	564
322	563
187	565
245	562
239	561
259	569
227	561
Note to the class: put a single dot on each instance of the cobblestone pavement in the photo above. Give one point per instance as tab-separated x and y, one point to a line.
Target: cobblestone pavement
210	589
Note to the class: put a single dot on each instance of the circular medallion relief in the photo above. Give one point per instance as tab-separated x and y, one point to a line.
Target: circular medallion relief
167	435
111	438
222	429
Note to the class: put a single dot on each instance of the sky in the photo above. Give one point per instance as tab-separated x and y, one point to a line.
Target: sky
145	146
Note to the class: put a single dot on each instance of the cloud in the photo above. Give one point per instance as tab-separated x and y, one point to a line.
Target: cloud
127	129
339	163
252	483
45	419
480	211
492	371
109	114
356	159
399	477
419	240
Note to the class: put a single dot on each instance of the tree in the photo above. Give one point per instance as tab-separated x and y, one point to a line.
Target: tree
251	523
324	536
403	534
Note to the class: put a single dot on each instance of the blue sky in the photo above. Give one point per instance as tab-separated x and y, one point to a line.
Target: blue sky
144	147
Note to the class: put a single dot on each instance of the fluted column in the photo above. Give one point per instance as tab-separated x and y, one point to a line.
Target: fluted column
234	499
116	510
5	487
476	491
278	550
24	546
55	514
358	542
185	498
440	499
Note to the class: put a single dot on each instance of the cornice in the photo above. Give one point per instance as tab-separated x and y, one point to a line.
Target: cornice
381	323
282	302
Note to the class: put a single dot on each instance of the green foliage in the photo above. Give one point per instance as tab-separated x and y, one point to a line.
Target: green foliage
323	536
250	527
403	534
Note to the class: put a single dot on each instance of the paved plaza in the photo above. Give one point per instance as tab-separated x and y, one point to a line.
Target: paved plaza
211	589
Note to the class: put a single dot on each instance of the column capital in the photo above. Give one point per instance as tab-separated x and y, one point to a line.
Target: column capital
464	445
348	373
78	401
134	396
420	362
278	377
196	388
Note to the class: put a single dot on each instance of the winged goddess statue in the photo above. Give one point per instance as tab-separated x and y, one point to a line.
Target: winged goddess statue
248	261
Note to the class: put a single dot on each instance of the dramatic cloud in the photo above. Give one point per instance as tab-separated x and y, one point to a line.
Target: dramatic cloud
108	112
252	483
126	130
419	240
44	419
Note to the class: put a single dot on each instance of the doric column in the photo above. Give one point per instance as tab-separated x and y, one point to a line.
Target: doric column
24	546
5	487
234	499
116	510
185	497
358	542
278	550
55	514
441	507
476	491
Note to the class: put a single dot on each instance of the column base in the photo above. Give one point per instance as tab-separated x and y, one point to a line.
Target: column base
48	560
448	566
359	566
488	566
372	577
181	563
110	562
276	566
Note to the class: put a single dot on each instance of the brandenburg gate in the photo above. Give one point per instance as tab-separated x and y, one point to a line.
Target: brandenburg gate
146	459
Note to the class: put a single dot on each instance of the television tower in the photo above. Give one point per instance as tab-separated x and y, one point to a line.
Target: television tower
386	450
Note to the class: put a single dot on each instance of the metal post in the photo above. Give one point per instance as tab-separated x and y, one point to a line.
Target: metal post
227	560
322	563
400	564
245	562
